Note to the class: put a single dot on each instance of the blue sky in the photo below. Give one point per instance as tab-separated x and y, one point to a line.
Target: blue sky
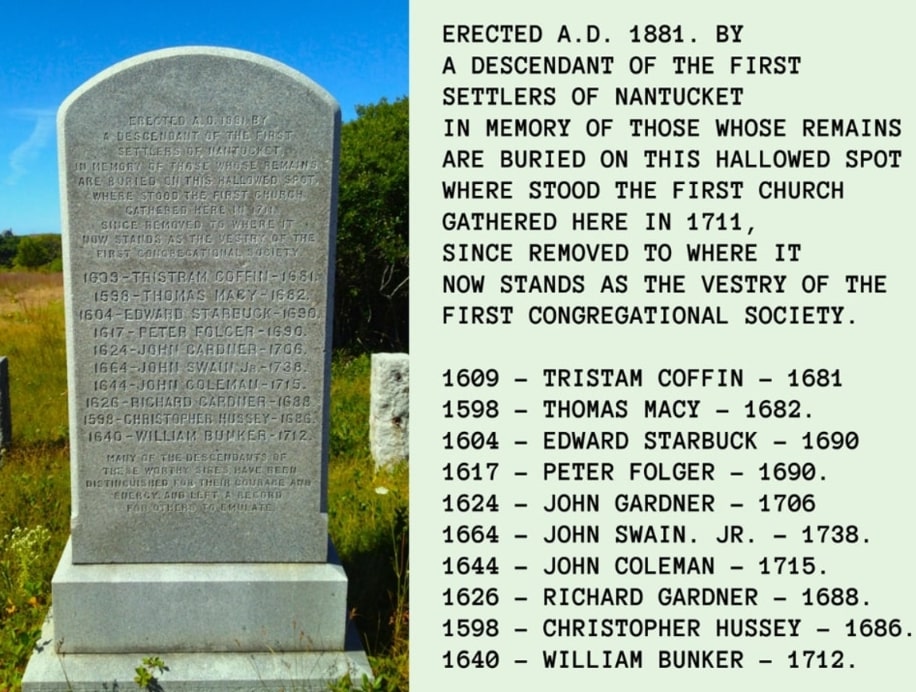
356	49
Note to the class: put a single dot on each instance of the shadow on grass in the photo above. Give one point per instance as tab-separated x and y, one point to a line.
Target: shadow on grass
378	593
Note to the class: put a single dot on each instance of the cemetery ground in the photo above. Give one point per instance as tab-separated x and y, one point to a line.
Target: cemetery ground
367	509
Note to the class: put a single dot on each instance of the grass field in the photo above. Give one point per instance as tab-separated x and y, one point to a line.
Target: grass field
367	510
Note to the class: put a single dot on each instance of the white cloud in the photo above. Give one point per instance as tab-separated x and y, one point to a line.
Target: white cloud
27	152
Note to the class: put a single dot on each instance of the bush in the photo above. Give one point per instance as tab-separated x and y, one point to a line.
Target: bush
38	251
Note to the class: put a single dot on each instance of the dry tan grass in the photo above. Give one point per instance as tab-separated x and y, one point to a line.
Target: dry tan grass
20	290
32	338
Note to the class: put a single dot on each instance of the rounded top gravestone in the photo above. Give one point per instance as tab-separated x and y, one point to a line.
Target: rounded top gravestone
199	211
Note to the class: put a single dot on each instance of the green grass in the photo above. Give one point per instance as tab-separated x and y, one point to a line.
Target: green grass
367	510
34	525
32	338
367	517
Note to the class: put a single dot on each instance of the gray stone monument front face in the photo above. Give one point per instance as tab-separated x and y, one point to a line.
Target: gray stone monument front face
199	192
199	198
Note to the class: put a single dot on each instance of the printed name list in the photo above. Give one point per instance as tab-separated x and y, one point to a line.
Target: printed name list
659	323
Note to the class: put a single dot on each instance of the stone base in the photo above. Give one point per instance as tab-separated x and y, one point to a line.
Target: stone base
162	608
51	671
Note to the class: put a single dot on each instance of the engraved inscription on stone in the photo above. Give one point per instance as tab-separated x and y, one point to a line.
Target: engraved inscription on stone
199	201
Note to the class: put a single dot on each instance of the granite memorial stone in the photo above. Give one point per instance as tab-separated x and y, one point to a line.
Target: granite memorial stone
389	402
199	212
6	424
199	198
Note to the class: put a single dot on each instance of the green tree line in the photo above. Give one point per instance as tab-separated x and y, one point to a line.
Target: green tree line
371	292
30	251
372	255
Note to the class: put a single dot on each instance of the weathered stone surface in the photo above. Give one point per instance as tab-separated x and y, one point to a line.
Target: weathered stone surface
303	671
200	607
389	407
199	198
199	193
